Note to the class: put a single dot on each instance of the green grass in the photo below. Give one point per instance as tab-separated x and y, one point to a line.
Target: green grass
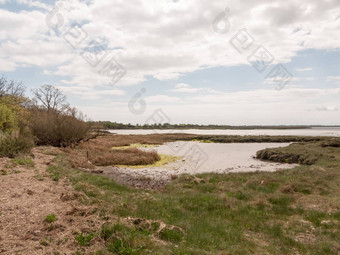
55	172
84	239
23	161
51	218
292	211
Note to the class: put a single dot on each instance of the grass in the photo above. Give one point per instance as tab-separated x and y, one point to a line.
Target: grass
131	156
84	239
292	211
22	161
51	218
164	159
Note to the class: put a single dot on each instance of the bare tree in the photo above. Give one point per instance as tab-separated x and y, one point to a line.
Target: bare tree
11	88
50	97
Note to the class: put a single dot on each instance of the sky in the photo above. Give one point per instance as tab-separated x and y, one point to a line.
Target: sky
233	62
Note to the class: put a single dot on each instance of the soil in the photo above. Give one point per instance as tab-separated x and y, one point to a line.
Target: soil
27	196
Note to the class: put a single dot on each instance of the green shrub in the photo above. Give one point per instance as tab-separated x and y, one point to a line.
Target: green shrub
51	218
7	118
12	146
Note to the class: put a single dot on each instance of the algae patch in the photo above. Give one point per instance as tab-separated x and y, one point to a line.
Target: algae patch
165	159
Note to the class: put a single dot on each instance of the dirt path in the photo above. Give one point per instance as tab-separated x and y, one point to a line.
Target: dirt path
27	196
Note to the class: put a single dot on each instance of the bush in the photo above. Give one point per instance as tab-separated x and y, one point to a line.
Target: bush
12	146
57	129
51	218
7	118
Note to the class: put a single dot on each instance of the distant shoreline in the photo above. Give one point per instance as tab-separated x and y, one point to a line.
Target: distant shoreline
113	125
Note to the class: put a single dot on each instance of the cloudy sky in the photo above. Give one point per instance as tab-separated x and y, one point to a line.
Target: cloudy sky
237	62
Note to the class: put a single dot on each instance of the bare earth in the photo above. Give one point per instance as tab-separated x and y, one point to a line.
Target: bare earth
25	201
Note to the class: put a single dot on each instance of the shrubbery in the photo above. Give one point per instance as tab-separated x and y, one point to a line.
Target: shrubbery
57	128
12	146
47	119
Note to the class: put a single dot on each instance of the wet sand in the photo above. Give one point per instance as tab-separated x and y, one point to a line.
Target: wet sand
196	158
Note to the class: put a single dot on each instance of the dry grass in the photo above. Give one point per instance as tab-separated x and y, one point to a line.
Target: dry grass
110	141
131	157
99	152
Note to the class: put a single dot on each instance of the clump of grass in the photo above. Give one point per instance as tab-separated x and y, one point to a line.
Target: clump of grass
46	241
55	172
121	239
119	246
131	157
23	161
301	153
164	159
173	235
84	239
51	218
38	177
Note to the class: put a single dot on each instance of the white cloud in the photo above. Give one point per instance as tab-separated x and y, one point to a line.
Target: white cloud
304	69
90	93
334	79
327	109
186	88
165	39
162	99
32	3
237	108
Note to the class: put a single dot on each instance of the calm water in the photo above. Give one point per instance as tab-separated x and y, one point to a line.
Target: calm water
331	131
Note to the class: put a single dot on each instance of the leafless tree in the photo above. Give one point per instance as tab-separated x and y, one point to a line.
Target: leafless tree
50	98
11	88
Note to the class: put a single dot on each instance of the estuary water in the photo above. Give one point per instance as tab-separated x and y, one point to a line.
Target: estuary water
330	131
